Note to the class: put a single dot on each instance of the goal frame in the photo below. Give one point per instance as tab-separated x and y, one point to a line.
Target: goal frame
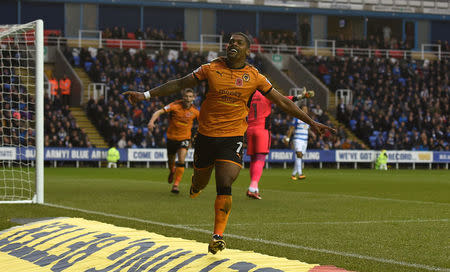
39	115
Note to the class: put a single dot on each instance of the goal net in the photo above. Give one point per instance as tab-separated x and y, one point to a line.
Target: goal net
21	113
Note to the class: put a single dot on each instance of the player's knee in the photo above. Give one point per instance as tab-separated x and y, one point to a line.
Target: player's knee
223	190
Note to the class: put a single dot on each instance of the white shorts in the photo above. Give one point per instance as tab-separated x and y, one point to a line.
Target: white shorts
300	146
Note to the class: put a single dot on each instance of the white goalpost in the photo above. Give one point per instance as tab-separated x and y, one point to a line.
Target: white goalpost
22	113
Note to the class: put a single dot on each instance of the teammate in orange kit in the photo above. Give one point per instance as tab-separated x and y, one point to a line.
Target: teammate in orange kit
222	122
181	118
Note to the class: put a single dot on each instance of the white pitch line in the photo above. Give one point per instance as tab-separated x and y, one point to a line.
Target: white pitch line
332	222
319	194
320	250
363	197
392	199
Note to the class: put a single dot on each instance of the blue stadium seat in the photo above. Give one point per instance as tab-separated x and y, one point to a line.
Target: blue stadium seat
372	140
353	124
327	79
76	61
87	66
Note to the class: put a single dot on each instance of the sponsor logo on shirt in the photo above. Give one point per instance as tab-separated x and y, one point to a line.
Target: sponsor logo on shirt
239	82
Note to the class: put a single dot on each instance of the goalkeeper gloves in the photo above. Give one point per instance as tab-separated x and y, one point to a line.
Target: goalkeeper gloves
306	94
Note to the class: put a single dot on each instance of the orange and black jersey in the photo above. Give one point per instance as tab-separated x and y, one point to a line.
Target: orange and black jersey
226	105
180	120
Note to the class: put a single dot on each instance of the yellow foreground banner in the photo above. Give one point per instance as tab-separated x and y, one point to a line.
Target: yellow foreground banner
74	245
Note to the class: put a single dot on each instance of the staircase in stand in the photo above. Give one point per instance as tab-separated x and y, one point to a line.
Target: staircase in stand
77	112
85	80
27	80
83	122
48	69
80	115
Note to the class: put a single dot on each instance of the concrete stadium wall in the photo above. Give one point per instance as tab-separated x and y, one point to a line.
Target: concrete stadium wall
72	25
423	32
191	23
319	27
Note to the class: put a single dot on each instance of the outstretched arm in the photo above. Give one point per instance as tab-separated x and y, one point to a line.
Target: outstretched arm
290	108
168	88
151	123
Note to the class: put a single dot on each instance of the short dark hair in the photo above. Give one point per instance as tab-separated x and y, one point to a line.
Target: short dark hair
188	90
247	40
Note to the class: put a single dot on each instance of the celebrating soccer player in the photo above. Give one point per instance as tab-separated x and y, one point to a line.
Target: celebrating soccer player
222	122
181	118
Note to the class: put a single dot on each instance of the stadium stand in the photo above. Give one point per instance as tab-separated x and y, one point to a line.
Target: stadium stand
18	118
150	33
60	128
327	141
398	103
125	69
13	108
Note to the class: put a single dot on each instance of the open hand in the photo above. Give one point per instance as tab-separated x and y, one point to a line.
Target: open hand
134	97
151	126
286	140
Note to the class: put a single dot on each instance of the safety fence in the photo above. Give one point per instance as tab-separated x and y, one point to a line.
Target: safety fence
320	47
148	156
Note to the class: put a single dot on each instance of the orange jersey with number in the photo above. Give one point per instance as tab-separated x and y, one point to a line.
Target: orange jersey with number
180	120
226	106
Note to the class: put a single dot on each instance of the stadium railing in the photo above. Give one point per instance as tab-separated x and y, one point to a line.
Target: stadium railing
333	158
423	53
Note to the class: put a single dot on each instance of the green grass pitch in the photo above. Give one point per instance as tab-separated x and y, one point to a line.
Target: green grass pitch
363	220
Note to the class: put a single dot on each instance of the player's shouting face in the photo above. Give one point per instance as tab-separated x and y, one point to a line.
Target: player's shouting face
188	98
238	48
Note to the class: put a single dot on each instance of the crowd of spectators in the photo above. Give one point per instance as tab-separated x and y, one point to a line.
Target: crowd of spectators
150	33
397	104
126	125
16	102
281	122
279	37
60	127
16	110
375	42
122	70
372	42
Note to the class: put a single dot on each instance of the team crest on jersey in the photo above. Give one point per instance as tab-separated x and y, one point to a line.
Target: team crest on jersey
246	77
239	82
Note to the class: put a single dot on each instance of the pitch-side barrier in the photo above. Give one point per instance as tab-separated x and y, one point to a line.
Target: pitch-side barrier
147	156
